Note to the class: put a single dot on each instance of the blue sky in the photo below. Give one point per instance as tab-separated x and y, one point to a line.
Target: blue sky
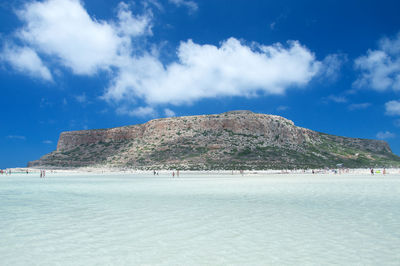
330	66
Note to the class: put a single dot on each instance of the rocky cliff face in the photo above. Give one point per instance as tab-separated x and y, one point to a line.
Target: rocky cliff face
232	140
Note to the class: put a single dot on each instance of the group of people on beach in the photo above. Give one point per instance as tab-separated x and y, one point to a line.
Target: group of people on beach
6	172
173	173
42	173
177	173
378	171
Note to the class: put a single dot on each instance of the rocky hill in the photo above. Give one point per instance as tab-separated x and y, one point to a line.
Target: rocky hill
232	140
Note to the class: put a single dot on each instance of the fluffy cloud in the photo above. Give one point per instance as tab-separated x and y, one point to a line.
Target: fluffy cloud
208	71
130	25
385	135
392	108
64	30
25	60
63	33
380	69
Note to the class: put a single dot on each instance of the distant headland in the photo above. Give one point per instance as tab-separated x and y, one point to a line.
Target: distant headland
229	141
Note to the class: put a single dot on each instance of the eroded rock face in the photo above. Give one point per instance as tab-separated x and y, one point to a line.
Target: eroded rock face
239	122
225	141
71	139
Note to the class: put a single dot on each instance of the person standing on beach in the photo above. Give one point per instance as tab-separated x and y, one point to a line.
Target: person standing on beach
173	174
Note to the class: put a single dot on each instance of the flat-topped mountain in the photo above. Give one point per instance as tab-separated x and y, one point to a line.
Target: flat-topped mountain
231	140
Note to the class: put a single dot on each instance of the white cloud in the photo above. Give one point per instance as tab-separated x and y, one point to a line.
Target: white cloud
16	137
47	142
169	113
358	106
63	28
62	32
380	69
130	25
191	5
392	108
208	71
146	111
25	60
385	135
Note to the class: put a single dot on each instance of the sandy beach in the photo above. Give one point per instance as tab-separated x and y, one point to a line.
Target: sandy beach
259	173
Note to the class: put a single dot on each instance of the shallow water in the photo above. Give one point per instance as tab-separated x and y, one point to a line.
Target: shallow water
136	220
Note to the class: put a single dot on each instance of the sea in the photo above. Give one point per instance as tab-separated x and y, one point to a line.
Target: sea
199	219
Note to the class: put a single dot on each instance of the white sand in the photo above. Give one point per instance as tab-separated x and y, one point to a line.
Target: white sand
118	171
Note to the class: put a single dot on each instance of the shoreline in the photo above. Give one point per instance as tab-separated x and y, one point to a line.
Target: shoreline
119	171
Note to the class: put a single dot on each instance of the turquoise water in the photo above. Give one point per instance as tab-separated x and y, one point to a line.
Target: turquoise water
224	220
